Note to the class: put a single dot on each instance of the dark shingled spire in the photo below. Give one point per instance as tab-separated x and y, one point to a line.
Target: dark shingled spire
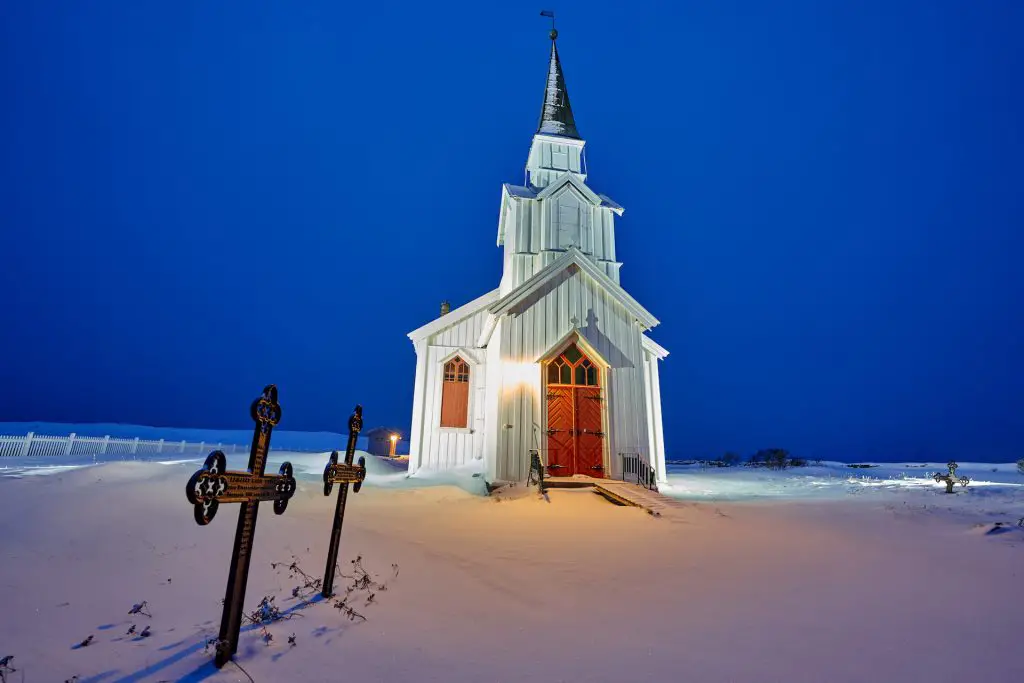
556	116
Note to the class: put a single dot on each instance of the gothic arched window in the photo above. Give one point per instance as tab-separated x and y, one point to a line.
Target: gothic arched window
572	368
455	394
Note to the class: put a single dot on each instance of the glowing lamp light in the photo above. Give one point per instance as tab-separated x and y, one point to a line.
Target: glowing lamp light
394	443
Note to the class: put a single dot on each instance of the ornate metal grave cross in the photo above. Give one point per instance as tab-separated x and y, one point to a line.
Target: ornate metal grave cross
214	484
951	478
342	473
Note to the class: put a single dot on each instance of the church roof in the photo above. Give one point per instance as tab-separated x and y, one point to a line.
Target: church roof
556	115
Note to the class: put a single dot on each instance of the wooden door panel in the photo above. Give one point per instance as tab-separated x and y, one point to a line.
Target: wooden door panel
561	444
589	434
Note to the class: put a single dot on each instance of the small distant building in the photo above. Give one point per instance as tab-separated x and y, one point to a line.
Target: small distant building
379	441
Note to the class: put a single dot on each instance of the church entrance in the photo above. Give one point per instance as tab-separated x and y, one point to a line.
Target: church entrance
575	425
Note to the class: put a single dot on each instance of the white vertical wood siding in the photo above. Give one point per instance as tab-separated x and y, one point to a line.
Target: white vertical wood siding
550	158
531	234
539	323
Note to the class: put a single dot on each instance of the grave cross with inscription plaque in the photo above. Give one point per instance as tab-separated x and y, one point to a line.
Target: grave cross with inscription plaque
342	473
215	484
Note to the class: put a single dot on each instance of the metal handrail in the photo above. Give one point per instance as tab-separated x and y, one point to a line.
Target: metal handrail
635	468
536	472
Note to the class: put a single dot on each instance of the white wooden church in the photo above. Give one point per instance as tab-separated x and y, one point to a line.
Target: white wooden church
557	358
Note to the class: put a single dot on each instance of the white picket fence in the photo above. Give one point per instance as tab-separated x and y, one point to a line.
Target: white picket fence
33	444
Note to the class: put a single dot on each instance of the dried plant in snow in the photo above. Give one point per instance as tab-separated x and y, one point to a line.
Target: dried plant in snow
6	668
267	612
308	586
140	608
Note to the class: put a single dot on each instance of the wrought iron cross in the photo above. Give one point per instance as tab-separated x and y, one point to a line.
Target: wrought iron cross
342	473
214	484
951	478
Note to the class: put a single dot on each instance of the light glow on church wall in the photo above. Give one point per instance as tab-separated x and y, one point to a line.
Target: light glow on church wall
520	375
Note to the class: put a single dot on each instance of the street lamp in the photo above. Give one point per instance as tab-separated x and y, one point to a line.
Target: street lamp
394	443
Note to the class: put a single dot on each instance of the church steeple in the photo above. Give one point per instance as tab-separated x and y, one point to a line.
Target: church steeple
557	146
556	116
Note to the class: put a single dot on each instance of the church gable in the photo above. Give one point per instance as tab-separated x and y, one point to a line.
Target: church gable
573	181
575	258
571	303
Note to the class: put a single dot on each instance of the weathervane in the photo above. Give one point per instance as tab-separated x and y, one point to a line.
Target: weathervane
549	13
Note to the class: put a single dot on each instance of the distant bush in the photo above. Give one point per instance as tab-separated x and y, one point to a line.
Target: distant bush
773	458
1020	465
731	459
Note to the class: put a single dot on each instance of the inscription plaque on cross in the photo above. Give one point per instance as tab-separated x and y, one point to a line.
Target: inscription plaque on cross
343	473
215	484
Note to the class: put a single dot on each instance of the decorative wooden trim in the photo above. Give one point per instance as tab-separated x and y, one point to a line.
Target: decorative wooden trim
653	347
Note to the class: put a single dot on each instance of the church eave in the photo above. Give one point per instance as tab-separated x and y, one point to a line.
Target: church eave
654	347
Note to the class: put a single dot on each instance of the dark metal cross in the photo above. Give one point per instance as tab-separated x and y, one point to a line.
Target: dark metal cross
951	478
342	473
214	484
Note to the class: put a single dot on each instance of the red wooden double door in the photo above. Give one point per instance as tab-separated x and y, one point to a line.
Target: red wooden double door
575	425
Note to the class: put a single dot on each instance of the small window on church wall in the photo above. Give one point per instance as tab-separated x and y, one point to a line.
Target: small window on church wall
455	394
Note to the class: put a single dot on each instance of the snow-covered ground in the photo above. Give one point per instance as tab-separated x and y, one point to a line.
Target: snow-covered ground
807	575
995	493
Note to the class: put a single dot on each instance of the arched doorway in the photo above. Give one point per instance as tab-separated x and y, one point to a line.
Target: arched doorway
575	415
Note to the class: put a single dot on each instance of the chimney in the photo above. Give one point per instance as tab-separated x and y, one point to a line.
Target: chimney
445	307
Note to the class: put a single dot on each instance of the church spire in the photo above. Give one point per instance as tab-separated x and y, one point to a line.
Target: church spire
556	116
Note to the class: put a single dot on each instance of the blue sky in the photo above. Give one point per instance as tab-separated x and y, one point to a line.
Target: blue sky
823	206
